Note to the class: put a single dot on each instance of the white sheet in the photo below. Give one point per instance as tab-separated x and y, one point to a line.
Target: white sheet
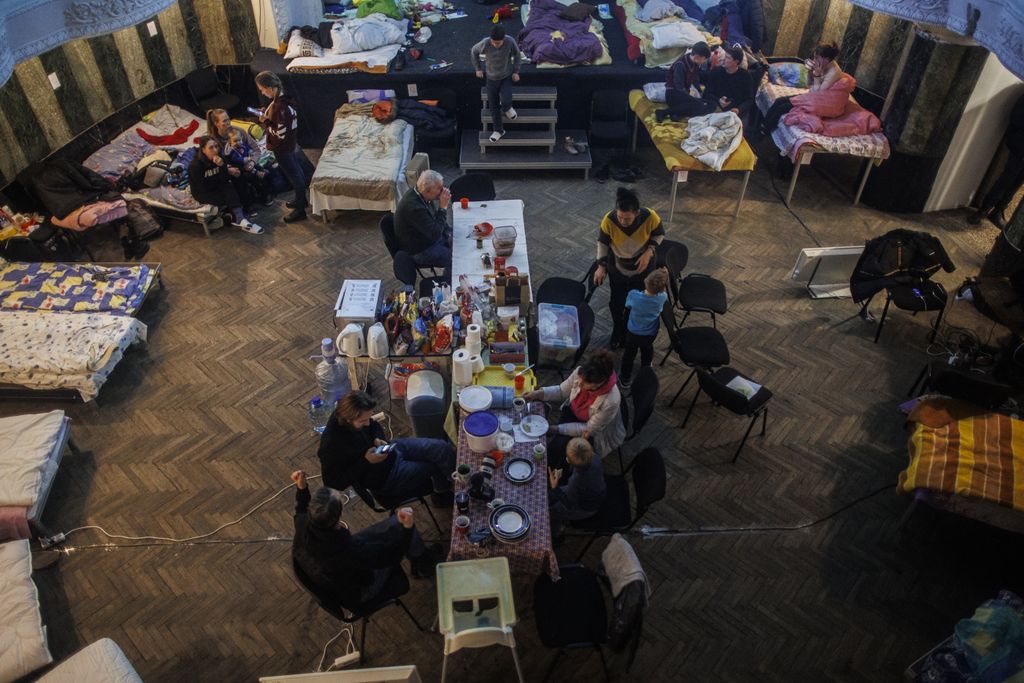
675	35
101	662
25	445
320	201
64	350
22	638
372	58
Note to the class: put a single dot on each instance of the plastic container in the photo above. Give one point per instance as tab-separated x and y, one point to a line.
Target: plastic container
331	376
558	334
424	383
481	431
503	239
318	414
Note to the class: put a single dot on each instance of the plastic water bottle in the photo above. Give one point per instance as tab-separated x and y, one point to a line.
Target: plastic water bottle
317	414
331	376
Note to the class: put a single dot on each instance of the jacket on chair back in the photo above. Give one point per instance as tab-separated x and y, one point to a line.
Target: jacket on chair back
897	257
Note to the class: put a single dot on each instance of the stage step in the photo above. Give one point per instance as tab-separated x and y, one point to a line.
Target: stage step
517	138
528	93
472	159
546	116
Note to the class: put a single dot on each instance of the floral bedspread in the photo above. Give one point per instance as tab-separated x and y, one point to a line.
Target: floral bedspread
73	287
64	351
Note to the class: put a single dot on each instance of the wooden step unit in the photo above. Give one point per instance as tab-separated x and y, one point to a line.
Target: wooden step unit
548	117
518	157
528	93
517	138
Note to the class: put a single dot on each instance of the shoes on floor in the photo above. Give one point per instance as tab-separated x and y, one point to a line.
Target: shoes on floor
624	175
269	200
602	174
997	219
250	212
497	135
512	114
570	145
134	248
295	215
582	147
250	227
625	385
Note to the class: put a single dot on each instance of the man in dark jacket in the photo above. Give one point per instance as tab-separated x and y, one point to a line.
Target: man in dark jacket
1005	188
348	456
353	568
728	86
421	229
682	86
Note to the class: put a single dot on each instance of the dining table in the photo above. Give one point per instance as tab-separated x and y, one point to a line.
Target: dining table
467	259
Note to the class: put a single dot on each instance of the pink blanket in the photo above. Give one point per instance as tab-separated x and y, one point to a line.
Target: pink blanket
832	112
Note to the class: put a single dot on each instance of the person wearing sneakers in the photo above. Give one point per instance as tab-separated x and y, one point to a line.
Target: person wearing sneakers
501	56
281	120
642	327
212	181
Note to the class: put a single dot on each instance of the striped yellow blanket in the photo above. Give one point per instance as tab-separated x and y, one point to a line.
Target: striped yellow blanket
978	457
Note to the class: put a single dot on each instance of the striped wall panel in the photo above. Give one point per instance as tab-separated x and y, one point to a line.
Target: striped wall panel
101	75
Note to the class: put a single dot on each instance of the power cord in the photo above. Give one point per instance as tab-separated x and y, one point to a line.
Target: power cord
648	532
59	538
350	648
799	220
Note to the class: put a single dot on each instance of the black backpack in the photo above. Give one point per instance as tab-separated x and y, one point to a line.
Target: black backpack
143	221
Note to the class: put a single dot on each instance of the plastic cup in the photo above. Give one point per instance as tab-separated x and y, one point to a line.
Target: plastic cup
520	382
462	524
498	456
464	202
539	451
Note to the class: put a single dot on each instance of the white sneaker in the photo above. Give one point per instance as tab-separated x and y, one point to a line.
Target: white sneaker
497	135
511	114
250	227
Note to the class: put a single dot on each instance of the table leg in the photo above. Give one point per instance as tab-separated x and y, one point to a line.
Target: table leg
353	373
792	181
863	182
635	124
743	191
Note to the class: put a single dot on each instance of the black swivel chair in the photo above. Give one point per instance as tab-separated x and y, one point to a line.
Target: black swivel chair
205	90
571	613
476	187
609	118
714	384
397	585
703	294
616	514
644	391
380	505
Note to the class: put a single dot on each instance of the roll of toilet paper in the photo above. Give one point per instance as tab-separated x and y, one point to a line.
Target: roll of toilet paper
474	348
472	334
462	367
478	363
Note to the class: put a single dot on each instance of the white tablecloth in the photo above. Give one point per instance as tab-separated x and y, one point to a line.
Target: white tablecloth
465	255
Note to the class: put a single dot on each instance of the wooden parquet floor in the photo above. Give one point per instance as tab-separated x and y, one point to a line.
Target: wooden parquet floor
208	420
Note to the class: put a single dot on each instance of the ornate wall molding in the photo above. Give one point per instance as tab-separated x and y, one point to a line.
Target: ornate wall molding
996	24
31	27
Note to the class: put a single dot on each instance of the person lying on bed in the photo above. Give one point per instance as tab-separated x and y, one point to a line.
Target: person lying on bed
213	181
421	229
682	86
501	62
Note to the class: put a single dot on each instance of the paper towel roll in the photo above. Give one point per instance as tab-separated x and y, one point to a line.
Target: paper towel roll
478	363
474	348
472	334
462	367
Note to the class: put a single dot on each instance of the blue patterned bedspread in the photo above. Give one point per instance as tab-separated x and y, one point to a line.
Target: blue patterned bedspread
73	287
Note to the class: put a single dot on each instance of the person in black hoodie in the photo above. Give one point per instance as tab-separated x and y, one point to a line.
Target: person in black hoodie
281	119
212	181
353	568
683	75
728	86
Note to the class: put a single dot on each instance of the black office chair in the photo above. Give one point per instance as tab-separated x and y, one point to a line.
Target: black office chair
982	390
476	187
561	290
673	256
923	295
644	391
205	90
609	118
380	505
703	294
397	585
714	384
571	613
405	269
697	347
615	514
448	101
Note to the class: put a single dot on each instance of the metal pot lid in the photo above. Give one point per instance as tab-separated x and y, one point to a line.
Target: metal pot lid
519	470
509	522
480	424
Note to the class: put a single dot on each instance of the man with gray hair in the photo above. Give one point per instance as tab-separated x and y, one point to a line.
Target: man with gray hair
421	227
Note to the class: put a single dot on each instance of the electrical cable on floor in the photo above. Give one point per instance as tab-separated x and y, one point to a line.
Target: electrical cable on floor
799	220
649	532
349	648
59	538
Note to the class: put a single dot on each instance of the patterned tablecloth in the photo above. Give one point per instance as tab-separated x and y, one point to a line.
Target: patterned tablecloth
534	553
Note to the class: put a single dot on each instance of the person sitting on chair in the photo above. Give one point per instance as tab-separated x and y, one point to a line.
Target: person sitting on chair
421	229
591	407
348	455
581	497
682	86
352	567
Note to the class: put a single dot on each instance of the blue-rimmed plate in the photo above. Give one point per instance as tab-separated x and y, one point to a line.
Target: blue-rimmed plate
519	470
509	523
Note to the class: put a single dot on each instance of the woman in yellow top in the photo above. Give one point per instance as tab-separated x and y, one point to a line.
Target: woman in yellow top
626	247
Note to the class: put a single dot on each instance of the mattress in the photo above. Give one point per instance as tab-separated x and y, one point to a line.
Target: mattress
31	449
73	287
369	175
596	28
100	662
371	61
23	646
791	140
64	351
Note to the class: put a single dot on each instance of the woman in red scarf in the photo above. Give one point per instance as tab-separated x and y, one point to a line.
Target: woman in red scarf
590	407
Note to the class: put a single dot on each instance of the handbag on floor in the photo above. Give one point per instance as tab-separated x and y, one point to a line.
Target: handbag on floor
144	222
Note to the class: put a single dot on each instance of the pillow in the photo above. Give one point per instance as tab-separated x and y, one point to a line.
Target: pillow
302	47
793	74
22	638
364	95
577	11
655	92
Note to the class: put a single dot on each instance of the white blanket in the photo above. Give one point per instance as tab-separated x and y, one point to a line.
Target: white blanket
622	566
378	58
677	34
22	638
358	35
25	444
659	9
712	138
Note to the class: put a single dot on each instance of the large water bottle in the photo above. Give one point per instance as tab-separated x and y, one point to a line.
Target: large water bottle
318	414
331	375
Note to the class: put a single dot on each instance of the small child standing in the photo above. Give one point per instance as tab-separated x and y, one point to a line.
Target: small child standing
644	320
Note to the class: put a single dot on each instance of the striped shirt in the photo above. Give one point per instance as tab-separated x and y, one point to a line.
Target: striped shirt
627	243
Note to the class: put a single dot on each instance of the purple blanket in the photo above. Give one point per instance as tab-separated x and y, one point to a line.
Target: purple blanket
549	38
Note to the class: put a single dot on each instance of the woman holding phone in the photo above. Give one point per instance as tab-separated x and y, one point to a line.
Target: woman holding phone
824	72
281	120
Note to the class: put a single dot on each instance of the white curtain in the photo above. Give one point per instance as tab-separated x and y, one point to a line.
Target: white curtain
288	13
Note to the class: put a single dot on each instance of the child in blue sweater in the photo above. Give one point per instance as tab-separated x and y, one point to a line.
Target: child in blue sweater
644	320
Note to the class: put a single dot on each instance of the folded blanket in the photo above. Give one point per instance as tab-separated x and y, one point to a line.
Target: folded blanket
359	35
659	9
622	566
679	34
713	138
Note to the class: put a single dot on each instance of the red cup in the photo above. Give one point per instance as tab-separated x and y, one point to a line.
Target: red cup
498	456
465	202
520	382
462	524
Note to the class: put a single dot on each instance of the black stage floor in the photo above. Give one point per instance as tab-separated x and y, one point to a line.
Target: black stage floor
319	95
